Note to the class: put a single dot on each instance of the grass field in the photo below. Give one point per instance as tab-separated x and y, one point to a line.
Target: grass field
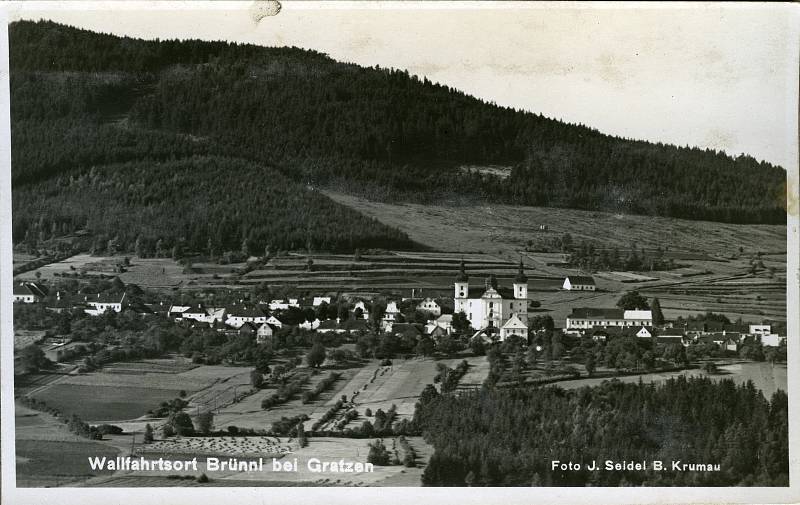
129	390
51	463
766	377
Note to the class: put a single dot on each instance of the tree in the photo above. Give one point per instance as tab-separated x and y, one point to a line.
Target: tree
33	359
316	356
181	423
301	435
658	316
590	363
378	455
148	434
632	300
425	346
461	324
205	422
256	379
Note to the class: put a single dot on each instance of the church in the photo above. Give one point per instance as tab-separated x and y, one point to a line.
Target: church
494	310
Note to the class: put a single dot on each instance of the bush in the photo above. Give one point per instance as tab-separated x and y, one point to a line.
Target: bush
203	478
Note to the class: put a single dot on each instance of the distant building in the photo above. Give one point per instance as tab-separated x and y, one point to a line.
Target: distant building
579	283
310	325
760	329
319	300
645	332
772	340
29	292
237	315
264	334
513	327
391	313
430	305
103	302
364	310
586	318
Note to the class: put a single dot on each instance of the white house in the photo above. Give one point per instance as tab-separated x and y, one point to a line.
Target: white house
772	340
176	311
237	315
28	292
490	307
586	318
445	321
391	312
196	313
760	329
644	333
513	327
430	305
264	333
274	321
283	304
103	303
579	283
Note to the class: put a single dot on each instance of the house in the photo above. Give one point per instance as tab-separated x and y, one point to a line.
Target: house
195	313
176	311
760	329
645	332
29	292
585	318
103	302
445	321
772	340
730	344
274	321
283	304
408	330
319	300
671	336
579	283
264	334
237	315
392	312
513	327
430	305
62	303
330	326
491	306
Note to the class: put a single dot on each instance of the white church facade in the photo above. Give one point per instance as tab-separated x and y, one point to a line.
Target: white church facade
493	309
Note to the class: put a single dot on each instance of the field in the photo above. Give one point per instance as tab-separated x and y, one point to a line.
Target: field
127	391
714	257
766	377
47	454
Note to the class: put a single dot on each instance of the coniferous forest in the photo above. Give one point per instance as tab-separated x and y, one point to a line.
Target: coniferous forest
299	121
509	437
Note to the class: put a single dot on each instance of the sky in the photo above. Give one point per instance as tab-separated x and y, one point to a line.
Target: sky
720	76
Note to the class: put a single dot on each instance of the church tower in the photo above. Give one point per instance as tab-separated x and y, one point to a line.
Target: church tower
461	293
521	284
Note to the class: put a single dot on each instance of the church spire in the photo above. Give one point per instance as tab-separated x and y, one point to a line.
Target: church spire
462	273
521	278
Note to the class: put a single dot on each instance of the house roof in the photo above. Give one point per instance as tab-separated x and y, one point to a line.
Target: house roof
104	298
583	280
479	291
30	288
406	329
514	323
587	312
246	311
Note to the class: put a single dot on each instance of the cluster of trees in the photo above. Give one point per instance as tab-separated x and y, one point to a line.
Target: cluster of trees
322	386
200	205
449	377
381	132
285	393
588	256
509	437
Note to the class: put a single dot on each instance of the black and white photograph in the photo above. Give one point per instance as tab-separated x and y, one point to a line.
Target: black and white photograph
411	245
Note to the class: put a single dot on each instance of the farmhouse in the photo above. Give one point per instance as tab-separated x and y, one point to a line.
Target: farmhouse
310	325
29	292
579	283
360	305
491	306
176	311
104	302
585	318
430	305
240	314
264	334
283	304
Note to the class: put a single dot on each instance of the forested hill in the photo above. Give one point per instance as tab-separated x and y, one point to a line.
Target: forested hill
377	132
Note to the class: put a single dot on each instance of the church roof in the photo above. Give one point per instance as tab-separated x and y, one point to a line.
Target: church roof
478	292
